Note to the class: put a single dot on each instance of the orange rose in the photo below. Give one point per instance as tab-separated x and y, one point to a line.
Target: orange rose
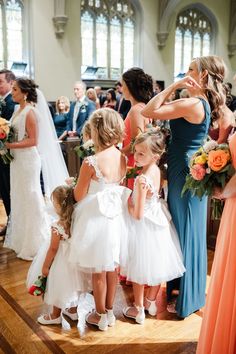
217	159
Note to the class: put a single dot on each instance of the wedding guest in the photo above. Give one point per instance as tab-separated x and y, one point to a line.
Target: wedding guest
122	105
218	329
7	78
92	95
110	101
100	95
61	117
189	124
80	110
137	88
221	127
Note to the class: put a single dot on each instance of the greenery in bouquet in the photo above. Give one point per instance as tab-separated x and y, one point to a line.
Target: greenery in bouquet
6	135
39	286
210	168
86	149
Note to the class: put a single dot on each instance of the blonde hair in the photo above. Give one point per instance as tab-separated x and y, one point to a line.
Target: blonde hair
86	130
109	127
63	195
213	82
94	94
154	139
66	101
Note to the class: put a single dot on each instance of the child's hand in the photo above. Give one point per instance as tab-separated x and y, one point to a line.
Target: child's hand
45	271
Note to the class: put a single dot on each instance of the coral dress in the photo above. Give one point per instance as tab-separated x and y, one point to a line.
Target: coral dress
127	141
218	332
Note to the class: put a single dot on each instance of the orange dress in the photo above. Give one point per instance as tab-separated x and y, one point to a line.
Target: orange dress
127	141
218	331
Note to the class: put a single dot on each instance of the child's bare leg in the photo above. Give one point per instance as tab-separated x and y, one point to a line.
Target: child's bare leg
72	309
150	300
138	290
56	312
152	292
99	291
111	278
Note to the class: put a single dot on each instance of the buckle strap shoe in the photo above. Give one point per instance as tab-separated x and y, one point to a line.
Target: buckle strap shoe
42	320
102	324
72	316
152	309
139	318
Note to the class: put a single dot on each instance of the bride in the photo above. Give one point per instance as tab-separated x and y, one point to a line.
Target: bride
35	147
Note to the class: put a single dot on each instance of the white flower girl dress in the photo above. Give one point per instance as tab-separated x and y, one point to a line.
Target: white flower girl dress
154	250
99	230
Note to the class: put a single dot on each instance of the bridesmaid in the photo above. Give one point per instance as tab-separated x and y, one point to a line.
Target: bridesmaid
138	89
218	332
189	123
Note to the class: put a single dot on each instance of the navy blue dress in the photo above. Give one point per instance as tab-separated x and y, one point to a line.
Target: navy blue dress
189	213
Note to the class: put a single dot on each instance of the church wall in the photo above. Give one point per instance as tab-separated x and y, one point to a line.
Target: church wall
57	60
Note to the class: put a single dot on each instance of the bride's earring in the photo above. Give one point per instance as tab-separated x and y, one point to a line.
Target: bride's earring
25	98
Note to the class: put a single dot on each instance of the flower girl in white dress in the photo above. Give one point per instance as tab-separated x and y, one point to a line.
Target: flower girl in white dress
98	227
63	279
154	251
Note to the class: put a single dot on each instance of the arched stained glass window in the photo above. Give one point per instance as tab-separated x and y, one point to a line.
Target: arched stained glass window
193	37
11	32
107	31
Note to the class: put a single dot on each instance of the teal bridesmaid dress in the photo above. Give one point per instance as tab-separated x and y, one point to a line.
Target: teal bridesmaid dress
189	214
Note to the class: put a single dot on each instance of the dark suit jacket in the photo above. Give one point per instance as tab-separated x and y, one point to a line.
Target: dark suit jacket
85	111
8	108
124	107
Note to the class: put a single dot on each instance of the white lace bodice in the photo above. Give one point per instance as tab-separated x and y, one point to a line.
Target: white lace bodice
155	208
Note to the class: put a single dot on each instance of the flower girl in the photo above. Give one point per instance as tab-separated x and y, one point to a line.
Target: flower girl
98	228
63	280
154	250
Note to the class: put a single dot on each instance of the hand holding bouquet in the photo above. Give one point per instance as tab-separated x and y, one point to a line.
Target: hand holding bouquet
5	136
39	286
210	169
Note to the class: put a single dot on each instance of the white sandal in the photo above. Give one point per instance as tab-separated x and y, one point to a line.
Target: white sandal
139	318
110	317
152	309
102	324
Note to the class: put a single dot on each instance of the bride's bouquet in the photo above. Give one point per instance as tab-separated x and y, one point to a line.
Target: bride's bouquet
210	168
6	135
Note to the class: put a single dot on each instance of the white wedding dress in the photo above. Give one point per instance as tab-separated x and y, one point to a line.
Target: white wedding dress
28	225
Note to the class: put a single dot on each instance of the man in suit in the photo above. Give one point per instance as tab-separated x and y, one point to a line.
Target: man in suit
122	106
80	110
7	78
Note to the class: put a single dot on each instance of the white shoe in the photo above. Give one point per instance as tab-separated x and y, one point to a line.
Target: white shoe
42	320
72	316
152	309
139	318
110	317
102	324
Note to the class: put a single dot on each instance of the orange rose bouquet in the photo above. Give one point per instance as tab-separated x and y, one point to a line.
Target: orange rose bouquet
210	168
6	134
